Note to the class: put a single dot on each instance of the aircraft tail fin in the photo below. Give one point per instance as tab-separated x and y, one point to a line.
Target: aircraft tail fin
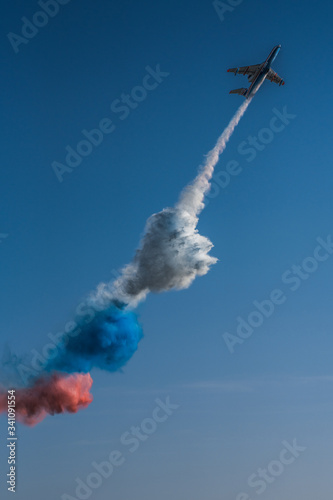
241	91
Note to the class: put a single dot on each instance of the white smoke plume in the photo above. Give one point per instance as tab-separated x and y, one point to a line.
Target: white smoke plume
172	252
191	199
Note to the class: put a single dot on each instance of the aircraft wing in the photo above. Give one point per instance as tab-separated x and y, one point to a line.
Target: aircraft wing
274	77
245	70
239	91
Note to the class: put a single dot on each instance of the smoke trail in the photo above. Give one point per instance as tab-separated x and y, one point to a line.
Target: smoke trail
191	199
50	395
171	255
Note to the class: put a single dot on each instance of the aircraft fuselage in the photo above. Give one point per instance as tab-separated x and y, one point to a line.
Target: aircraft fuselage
262	71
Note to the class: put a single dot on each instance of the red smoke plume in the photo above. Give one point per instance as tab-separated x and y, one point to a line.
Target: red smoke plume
49	395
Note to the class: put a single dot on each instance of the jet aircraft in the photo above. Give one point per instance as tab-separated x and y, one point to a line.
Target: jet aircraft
257	74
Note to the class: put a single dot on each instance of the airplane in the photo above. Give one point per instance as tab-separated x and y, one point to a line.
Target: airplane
257	74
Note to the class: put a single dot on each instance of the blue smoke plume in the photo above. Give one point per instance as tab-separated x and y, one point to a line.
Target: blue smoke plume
107	342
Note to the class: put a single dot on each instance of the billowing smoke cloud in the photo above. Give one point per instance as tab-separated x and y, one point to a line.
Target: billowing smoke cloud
50	395
107	341
171	255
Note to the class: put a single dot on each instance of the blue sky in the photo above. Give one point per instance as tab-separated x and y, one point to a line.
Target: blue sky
58	240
